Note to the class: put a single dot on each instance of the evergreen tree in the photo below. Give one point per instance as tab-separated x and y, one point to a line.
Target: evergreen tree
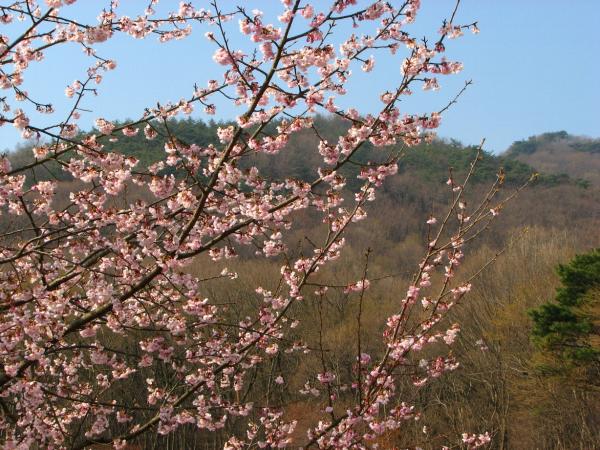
568	326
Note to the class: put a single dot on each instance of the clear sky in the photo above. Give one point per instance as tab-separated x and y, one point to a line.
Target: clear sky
534	66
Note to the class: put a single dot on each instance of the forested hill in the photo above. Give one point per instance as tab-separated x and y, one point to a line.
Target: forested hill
428	162
556	199
560	153
545	224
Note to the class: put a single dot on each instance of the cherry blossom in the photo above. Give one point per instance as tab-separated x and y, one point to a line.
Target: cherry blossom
107	330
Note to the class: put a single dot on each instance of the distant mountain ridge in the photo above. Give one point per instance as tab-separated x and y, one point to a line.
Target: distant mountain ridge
300	158
559	198
558	157
560	153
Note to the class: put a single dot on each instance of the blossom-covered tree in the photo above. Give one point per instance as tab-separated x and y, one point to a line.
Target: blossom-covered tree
96	297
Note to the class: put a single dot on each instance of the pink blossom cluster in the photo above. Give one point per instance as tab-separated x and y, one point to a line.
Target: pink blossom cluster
98	292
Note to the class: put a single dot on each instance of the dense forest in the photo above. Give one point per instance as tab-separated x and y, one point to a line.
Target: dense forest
557	197
511	380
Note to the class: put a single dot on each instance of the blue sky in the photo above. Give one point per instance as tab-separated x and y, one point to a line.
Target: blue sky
534	68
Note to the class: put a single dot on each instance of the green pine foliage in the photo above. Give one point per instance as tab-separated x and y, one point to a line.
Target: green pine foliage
566	326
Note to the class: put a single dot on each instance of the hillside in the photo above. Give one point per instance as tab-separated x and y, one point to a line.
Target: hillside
560	153
428	162
547	223
556	199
